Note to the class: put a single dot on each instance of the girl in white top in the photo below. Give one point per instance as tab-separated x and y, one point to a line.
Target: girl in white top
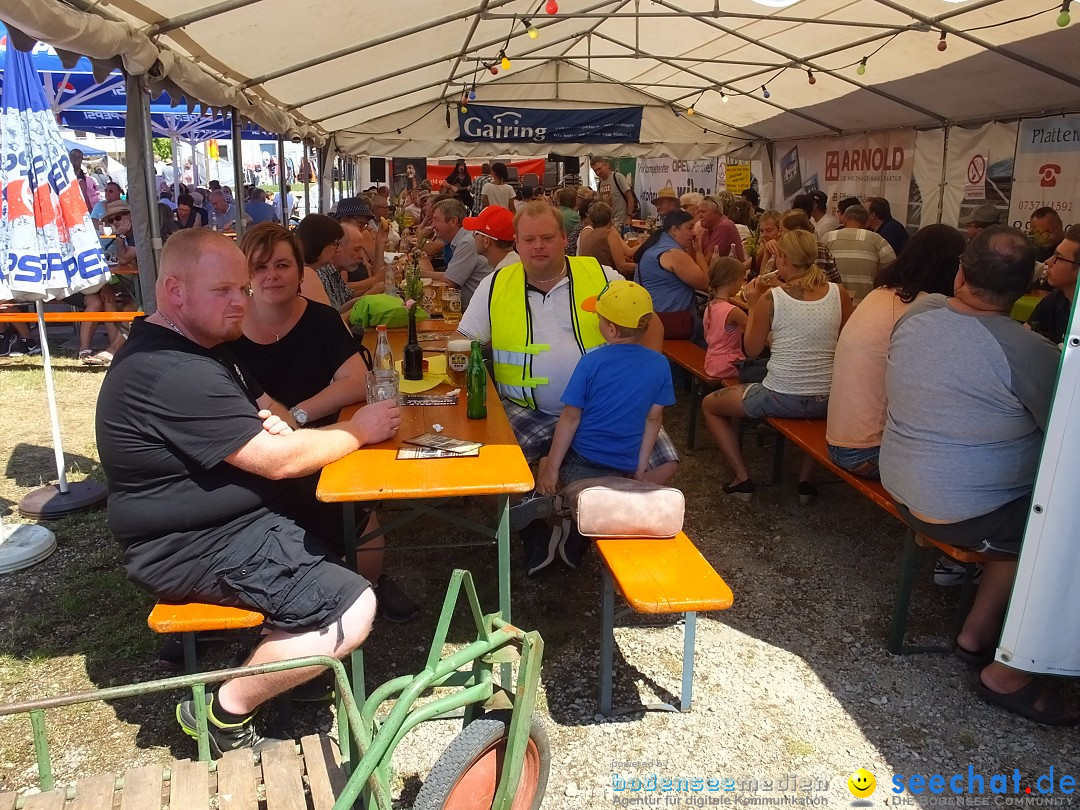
804	312
498	191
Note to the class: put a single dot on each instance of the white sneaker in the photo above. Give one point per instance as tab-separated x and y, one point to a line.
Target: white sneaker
949	572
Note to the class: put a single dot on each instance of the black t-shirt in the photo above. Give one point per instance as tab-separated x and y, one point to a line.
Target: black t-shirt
168	414
304	361
1050	318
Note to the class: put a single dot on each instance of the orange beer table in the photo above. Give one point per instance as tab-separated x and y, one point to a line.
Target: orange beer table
375	473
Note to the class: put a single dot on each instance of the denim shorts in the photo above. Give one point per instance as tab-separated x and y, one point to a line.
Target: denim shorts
758	402
851	458
576	467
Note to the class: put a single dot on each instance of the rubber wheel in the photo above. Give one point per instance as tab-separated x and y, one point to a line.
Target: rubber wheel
467	773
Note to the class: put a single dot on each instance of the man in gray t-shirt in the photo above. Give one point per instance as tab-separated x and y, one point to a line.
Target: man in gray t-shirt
969	393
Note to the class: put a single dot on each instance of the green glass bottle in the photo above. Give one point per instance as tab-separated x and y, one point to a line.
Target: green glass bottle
476	384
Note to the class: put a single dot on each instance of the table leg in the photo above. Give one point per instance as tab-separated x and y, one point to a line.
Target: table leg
502	533
356	660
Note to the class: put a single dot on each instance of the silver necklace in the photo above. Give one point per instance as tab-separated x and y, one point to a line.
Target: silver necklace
170	324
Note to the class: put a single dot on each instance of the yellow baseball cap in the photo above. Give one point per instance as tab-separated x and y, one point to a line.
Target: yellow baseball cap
622	302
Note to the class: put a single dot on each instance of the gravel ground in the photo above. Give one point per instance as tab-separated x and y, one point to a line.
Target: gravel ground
793	683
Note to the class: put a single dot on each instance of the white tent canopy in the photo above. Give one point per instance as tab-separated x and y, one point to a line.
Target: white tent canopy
352	67
423	130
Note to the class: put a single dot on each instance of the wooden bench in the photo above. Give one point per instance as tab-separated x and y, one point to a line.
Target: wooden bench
691	357
809	434
190	618
289	777
659	577
70	317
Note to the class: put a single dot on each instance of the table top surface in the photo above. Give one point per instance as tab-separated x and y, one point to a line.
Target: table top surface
375	473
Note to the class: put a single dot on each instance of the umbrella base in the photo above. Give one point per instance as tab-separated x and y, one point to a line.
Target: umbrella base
48	503
22	546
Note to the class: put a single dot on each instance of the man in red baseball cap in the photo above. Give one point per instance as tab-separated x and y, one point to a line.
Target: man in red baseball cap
493	233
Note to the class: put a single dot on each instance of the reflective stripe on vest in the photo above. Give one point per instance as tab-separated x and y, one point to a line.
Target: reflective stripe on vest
511	325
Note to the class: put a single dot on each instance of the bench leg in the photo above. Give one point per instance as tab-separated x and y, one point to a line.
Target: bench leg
898	628
778	460
198	693
607	641
695	406
689	635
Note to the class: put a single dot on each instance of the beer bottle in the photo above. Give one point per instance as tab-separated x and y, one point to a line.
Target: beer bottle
476	384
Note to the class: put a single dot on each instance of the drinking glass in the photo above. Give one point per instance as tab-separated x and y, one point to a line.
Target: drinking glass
457	361
451	305
382	384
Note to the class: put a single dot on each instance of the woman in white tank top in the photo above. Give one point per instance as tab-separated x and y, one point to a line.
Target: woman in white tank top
804	313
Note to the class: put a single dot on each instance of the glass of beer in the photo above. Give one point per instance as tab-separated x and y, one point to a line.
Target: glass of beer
457	361
451	305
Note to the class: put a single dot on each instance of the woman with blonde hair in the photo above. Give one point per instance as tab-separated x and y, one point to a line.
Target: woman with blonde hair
804	312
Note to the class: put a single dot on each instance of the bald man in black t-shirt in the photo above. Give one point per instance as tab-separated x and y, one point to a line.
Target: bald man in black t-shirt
198	489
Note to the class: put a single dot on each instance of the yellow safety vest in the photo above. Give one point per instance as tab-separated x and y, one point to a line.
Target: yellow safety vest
512	344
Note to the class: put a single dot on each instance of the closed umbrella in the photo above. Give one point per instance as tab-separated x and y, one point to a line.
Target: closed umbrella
48	246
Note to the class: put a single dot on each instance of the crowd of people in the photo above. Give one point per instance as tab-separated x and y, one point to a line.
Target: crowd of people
902	343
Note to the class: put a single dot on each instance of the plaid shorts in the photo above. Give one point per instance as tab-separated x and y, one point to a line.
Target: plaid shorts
535	430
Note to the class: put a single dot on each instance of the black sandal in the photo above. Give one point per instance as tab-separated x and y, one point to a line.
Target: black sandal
1023	700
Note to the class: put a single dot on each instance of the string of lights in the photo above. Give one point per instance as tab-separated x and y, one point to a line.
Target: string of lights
727	91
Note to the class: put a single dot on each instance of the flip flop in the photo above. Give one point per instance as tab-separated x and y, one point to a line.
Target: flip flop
974	658
85	355
1023	700
94	360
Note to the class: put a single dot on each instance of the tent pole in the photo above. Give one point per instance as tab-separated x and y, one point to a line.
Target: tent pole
944	174
142	196
307	178
238	173
283	195
194	161
175	167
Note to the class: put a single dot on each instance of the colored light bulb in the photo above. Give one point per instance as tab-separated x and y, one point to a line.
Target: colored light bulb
534	32
765	91
861	69
1063	19
472	95
494	70
689	110
552	7
505	63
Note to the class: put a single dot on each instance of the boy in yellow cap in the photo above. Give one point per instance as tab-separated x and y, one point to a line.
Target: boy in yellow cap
613	404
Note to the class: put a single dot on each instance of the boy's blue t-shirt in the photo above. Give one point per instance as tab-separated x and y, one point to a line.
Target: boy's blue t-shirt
615	386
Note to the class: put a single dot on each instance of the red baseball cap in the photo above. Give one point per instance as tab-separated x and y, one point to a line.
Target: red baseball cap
494	221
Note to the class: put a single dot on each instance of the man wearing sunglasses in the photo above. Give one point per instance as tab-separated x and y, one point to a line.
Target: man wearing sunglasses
1051	315
118	217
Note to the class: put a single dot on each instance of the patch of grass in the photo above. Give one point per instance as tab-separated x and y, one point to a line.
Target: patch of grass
798	748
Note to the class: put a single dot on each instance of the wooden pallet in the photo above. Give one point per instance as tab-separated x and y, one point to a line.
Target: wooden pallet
287	779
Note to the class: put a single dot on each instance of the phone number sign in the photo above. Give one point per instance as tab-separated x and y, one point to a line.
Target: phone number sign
1046	170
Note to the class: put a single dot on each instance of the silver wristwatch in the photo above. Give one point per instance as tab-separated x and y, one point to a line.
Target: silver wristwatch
300	415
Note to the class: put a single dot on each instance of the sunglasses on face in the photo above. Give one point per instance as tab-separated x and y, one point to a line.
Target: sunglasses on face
113	220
